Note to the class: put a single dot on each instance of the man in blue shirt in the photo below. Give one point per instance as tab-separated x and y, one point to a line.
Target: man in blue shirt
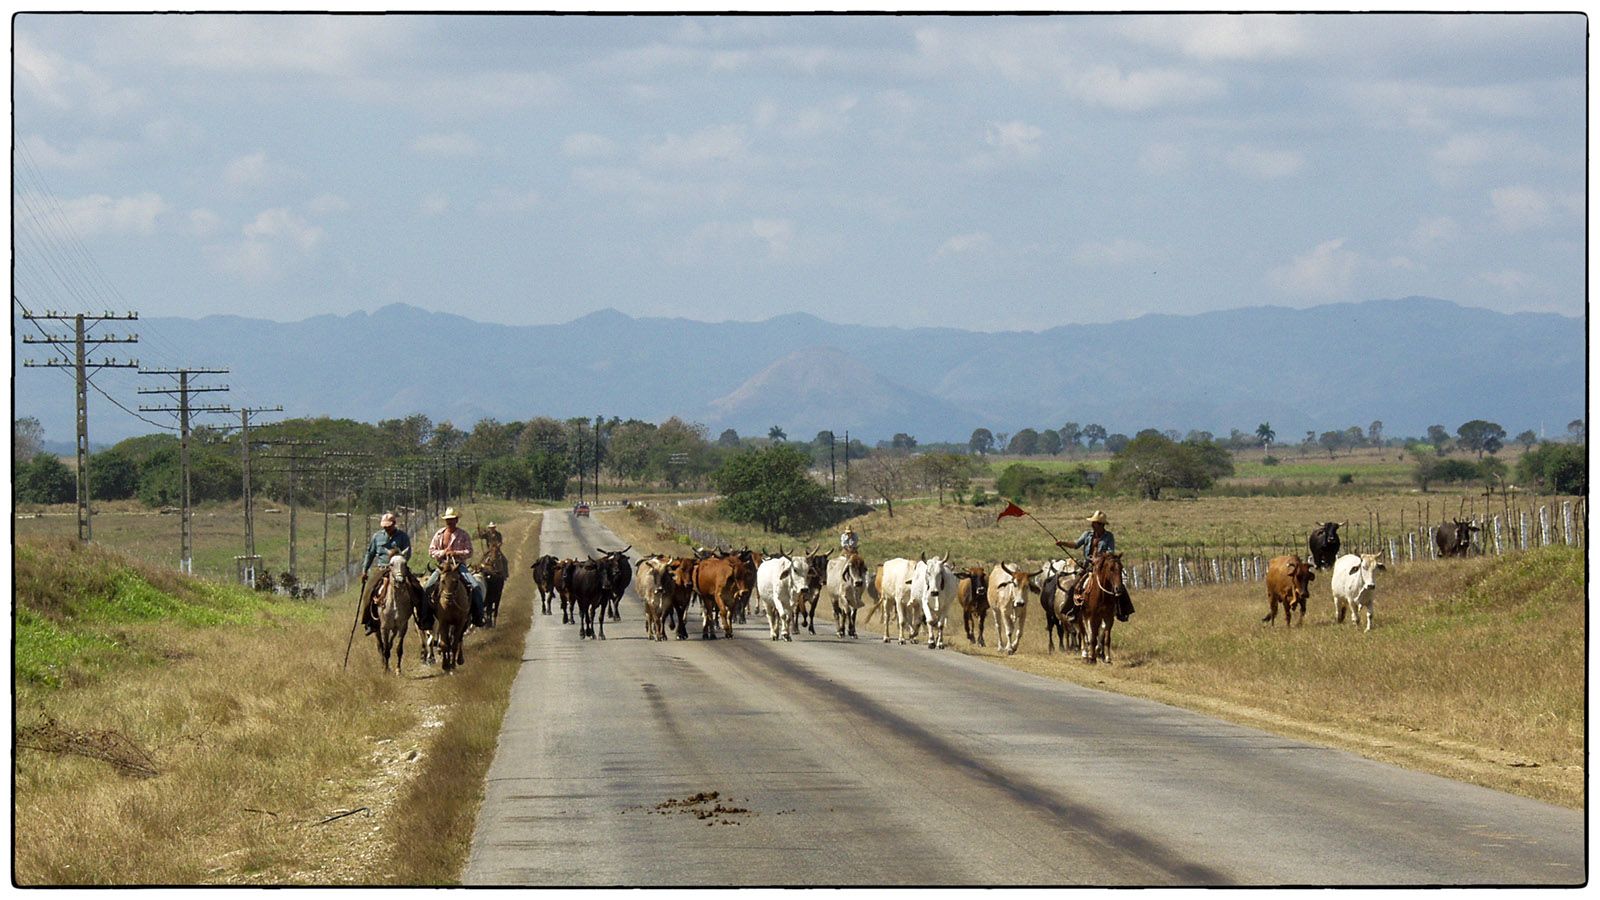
387	541
1094	541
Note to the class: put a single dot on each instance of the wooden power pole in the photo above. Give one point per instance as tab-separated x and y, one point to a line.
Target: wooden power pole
184	410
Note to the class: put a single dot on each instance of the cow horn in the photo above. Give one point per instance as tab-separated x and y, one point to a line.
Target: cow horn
923	556
946	558
1344	523
1008	570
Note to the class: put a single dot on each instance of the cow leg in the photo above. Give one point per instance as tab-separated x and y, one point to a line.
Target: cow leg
1338	610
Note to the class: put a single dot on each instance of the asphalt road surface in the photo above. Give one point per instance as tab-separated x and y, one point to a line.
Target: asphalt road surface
853	762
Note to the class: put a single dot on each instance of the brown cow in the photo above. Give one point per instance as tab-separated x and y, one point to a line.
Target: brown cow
679	582
973	594
718	581
1288	582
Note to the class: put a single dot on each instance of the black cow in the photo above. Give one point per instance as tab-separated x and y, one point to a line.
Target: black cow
621	573
544	578
590	585
1324	544
1454	538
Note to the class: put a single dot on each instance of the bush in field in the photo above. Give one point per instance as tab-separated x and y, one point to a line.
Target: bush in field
1557	468
772	488
1024	482
1152	463
113	475
45	479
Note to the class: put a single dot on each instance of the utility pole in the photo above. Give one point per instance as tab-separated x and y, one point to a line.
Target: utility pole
597	420
184	410
250	561
81	342
294	459
833	473
847	464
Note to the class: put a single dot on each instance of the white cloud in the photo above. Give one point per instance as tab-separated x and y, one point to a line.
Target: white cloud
101	214
1519	207
322	45
1114	253
1510	281
203	223
455	145
507	201
327	205
434	204
1463	153
586	145
69	86
253	172
762	239
1326	272
282	226
1015	139
89	154
963	244
1230	38
719	144
1434	231
1163	159
1144	89
1260	162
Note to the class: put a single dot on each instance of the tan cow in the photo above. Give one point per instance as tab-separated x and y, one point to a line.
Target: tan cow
1008	596
1289	583
652	586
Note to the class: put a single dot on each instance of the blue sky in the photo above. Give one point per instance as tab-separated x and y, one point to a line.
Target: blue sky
980	172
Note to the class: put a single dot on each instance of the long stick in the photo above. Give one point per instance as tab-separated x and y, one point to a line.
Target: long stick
361	596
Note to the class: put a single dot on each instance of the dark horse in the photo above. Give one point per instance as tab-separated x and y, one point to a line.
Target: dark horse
493	570
1101	591
452	616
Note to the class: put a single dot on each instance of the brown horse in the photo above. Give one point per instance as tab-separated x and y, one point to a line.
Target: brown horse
453	614
1101	590
493	569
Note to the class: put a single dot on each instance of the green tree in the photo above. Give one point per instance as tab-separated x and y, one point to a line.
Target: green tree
903	441
1556	468
1439	438
1094	433
982	441
773	488
45	479
1332	441
728	438
1152	463
1579	429
1375	433
1050	441
1481	436
1115	442
506	477
113	475
1071	437
944	471
1527	439
776	434
27	439
1024	443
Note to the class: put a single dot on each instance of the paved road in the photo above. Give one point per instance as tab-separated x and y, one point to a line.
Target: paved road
859	763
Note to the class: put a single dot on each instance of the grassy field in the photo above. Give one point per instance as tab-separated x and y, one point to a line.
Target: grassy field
258	740
1475	669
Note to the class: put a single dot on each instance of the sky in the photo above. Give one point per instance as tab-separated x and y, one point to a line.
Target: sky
981	172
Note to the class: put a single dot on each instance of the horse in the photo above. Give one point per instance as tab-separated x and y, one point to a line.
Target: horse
494	570
454	612
1058	606
395	604
1101	591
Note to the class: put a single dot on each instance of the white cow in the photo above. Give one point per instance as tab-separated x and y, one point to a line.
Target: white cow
779	583
933	588
847	583
893	587
1354	585
651	584
1008	595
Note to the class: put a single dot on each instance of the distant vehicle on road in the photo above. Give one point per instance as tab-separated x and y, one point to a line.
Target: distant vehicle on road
580	509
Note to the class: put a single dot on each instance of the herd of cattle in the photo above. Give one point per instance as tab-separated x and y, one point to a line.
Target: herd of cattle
909	594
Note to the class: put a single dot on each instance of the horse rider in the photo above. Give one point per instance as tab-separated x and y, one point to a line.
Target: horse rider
848	541
453	543
388	541
1095	541
491	534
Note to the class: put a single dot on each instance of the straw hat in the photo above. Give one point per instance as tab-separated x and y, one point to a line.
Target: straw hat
490	525
388	519
1097	517
449	513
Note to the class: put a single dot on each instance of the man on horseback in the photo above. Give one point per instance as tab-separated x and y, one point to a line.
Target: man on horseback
848	541
452	542
1095	541
386	542
491	534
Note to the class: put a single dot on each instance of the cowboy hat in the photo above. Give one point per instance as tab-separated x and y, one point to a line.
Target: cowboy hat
449	513
490	525
388	519
1097	517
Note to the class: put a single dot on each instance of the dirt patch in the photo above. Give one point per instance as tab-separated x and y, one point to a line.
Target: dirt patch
704	806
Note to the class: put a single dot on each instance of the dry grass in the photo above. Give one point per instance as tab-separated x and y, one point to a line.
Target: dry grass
260	740
1474	671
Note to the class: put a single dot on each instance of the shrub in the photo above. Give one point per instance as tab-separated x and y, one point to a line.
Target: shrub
45	479
1270	460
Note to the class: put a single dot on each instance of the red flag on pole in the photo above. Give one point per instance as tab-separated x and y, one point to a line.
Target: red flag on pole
1011	510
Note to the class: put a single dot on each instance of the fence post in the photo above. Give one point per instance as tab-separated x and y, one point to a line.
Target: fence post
1544	526
1522	529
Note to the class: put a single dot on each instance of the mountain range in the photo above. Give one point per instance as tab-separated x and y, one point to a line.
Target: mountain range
1409	362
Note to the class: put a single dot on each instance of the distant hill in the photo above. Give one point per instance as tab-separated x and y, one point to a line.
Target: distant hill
1410	362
